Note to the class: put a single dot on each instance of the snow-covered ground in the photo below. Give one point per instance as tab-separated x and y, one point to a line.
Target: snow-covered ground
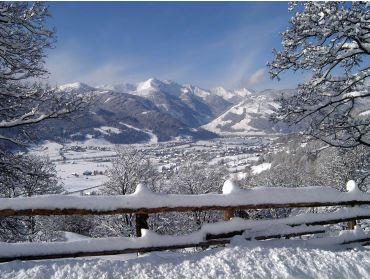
71	172
71	164
261	167
241	259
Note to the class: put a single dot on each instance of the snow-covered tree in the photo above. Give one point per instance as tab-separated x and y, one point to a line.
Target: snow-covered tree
190	178
130	168
28	176
331	41
24	101
314	164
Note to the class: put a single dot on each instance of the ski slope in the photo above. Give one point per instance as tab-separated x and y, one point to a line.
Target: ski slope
153	137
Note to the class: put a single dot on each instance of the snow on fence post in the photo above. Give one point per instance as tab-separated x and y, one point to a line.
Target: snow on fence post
228	188
141	218
352	188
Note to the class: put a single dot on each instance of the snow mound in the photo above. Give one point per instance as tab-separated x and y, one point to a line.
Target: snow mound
230	187
352	187
245	259
142	191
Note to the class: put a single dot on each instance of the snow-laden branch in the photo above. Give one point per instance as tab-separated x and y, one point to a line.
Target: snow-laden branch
24	39
331	40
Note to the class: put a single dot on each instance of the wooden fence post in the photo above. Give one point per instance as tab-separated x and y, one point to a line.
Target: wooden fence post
228	214
141	222
352	186
351	224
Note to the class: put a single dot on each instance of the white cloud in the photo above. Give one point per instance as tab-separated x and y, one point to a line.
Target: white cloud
68	67
63	67
105	74
238	70
257	77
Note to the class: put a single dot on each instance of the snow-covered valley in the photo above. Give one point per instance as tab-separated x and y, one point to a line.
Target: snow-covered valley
95	156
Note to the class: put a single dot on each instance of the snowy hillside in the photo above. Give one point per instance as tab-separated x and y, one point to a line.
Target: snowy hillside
250	116
121	112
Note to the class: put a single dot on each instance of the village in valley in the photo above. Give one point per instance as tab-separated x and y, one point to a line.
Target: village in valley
82	166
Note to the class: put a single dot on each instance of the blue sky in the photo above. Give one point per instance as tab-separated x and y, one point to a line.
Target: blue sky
207	44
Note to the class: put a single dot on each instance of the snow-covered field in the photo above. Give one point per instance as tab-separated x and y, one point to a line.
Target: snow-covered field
71	173
242	259
71	164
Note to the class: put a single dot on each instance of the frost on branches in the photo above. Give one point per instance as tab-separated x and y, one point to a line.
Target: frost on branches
330	40
23	101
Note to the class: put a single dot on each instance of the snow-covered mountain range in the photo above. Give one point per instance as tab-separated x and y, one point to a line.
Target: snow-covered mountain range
190	104
167	109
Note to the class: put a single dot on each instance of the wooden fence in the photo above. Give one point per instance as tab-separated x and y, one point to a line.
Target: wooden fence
143	203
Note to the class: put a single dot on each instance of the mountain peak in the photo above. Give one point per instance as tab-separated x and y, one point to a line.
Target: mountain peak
155	86
74	87
231	94
243	92
151	83
122	87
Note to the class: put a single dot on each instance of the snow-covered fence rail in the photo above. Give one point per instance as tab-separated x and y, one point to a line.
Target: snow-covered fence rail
148	243
151	241
239	226
144	202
